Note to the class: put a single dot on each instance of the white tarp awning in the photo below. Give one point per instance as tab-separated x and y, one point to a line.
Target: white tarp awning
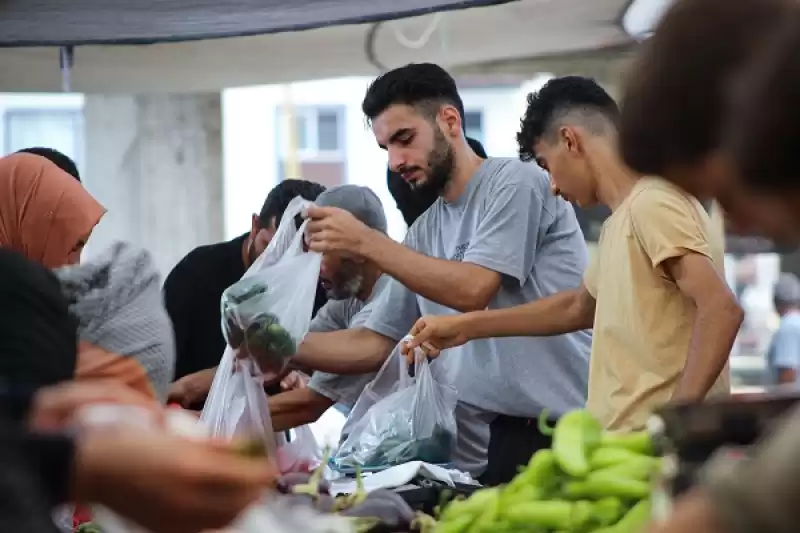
515	30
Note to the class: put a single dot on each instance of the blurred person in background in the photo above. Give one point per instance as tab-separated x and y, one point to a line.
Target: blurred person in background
412	204
783	356
662	315
676	117
352	286
123	328
678	97
61	160
193	291
45	214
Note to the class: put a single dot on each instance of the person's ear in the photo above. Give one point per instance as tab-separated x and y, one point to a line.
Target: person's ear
255	225
570	139
451	120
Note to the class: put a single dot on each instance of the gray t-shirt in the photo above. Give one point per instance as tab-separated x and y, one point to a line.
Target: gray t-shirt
334	316
508	221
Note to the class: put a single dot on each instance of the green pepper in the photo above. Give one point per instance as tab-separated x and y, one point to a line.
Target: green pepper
488	517
640	468
606	511
574	439
603	457
457	524
522	494
635	519
541	473
582	513
544	427
478	502
601	487
552	514
638	441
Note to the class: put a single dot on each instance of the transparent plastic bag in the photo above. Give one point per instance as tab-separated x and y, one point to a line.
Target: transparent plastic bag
267	313
237	405
301	454
414	423
386	381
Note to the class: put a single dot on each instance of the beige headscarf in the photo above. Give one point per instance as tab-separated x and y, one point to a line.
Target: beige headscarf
44	212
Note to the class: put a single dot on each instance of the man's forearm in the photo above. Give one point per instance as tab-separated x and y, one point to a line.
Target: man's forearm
713	335
346	352
450	283
558	314
296	408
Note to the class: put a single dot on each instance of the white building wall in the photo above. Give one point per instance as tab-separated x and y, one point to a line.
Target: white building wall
251	147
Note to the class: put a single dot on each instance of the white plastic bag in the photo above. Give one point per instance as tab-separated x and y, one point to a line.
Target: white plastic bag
237	406
386	381
267	313
414	423
301	454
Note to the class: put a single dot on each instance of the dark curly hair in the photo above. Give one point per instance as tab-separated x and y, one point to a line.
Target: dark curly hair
676	94
763	139
558	98
424	86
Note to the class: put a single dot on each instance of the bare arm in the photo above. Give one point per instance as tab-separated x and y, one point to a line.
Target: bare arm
564	312
716	323
345	352
296	408
561	313
460	286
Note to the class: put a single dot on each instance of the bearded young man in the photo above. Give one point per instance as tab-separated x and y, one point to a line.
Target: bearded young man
495	237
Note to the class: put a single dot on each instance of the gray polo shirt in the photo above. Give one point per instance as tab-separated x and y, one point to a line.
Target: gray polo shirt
508	221
334	316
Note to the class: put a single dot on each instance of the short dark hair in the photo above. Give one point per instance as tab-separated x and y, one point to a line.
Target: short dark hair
763	139
413	203
62	161
555	100
423	86
676	94
279	197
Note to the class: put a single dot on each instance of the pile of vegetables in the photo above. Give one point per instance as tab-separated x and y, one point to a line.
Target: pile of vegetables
378	511
248	325
590	481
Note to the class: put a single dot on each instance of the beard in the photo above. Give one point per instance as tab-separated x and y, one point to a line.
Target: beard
347	283
441	161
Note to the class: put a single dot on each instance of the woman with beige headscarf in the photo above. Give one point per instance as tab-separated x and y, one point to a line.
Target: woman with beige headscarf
124	333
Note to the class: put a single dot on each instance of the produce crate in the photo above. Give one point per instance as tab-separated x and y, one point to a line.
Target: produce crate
689	434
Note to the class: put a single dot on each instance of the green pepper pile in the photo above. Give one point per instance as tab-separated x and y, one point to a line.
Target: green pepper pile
247	326
588	482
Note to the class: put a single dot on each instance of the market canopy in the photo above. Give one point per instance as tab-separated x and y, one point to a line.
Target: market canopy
202	45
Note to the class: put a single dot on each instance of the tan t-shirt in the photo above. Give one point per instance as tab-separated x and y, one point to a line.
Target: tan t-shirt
643	323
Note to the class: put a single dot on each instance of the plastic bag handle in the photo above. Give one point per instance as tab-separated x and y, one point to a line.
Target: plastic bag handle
408	374
284	239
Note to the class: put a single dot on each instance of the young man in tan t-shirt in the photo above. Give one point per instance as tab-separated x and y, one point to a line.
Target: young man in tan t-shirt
664	318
